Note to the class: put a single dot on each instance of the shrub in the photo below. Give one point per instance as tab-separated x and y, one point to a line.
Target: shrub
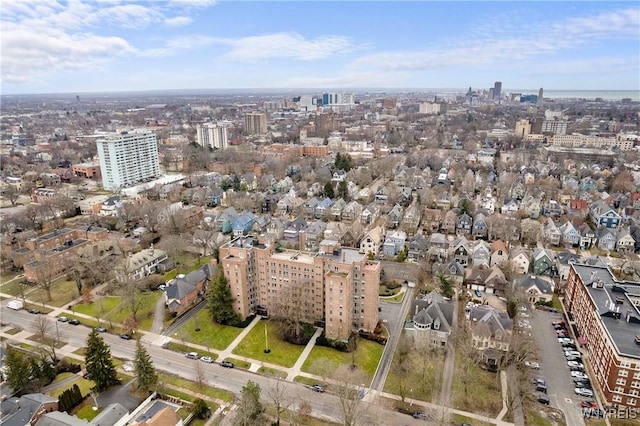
244	323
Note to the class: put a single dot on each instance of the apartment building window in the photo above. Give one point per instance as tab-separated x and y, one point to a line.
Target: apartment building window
633	392
623	373
621	381
635	384
636	375
625	364
631	401
619	389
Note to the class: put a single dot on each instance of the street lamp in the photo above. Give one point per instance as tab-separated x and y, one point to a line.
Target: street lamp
266	341
411	399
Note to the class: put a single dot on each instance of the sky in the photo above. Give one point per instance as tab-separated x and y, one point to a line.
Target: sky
54	46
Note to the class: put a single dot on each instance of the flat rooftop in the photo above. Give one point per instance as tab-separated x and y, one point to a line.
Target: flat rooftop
620	317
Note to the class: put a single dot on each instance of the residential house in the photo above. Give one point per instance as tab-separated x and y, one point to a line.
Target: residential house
207	239
464	224
291	233
111	206
605	215
395	216
335	231
311	237
569	234
322	207
411	219
351	212
453	269
309	207
242	223
495	281
285	205
223	220
606	238
481	253
394	243
519	260
185	291
449	222
276	228
335	212
531	206
461	251
339	176
537	289
144	263
587	237
261	223
543	262
270	203
509	207
626	242
443	201
578	208
552	209
372	241
479	229
370	214
418	248
564	260
488	203
27	409
431	220
499	253
550	232
382	194
405	197
438	247
490	333
432	320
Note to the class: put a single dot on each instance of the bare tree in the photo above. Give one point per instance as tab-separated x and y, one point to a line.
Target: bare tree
277	395
12	194
43	329
201	381
349	389
45	274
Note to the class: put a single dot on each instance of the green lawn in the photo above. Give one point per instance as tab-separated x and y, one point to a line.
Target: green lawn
481	394
84	385
85	410
208	390
13	288
367	357
211	334
395	299
62	293
253	345
183	349
114	309
425	378
8	276
459	419
556	303
98	308
272	372
239	363
307	381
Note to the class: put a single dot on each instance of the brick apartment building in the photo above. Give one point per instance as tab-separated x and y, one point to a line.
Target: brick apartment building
606	315
336	286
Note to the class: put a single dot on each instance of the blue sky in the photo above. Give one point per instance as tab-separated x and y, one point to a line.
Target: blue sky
53	46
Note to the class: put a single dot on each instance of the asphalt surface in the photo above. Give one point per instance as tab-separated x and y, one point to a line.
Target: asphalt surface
554	369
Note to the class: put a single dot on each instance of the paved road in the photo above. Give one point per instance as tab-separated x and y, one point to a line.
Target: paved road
554	367
449	363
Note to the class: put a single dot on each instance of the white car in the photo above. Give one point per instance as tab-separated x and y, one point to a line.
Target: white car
524	315
575	364
532	364
579	375
564	340
572	353
207	359
584	392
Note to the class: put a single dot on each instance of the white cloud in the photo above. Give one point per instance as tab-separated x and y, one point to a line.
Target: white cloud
130	15
192	4
287	45
178	21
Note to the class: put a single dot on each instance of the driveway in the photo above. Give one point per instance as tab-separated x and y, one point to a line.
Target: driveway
553	367
120	394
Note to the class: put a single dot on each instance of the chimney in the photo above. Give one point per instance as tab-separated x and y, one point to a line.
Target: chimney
344	256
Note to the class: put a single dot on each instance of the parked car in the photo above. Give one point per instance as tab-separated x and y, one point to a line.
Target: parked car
206	359
74	321
192	355
584	392
317	388
572	353
532	364
125	336
543	399
581	384
574	358
34	311
574	364
564	341
579	375
541	388
227	364
539	381
63	319
420	416
588	404
101	329
562	323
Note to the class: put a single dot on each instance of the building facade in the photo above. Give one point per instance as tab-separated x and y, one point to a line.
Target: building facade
212	135
255	123
128	158
336	287
606	315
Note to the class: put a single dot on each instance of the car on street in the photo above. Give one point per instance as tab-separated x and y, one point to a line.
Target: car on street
206	359
564	341
101	329
63	319
317	388
572	353
574	358
34	311
582	384
541	388
420	416
575	364
192	355
543	399
227	364
538	381
584	392
125	336
74	322
532	364
579	375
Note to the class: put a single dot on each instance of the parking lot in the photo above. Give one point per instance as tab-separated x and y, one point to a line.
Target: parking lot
554	369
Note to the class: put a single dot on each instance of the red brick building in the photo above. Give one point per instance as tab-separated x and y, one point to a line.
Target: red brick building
606	315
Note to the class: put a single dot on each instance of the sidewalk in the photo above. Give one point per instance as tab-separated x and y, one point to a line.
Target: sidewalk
295	370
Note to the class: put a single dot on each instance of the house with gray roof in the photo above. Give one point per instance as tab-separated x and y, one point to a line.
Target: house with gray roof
536	288
490	333
438	246
394	242
432	320
27	409
311	237
185	291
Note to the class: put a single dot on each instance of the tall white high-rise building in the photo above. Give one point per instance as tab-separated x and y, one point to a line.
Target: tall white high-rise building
128	158
212	135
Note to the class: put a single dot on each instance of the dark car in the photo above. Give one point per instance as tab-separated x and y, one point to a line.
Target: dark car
227	364
420	416
74	321
541	388
101	329
34	311
543	399
125	336
317	388
585	385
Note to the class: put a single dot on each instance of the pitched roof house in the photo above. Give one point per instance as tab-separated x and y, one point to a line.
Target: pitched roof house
432	320
185	291
536	289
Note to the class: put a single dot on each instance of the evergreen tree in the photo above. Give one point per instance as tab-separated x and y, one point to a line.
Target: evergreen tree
200	409
220	300
250	410
328	190
17	368
446	286
343	190
100	366
146	375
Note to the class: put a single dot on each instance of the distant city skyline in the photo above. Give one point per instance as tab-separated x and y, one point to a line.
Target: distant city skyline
116	45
